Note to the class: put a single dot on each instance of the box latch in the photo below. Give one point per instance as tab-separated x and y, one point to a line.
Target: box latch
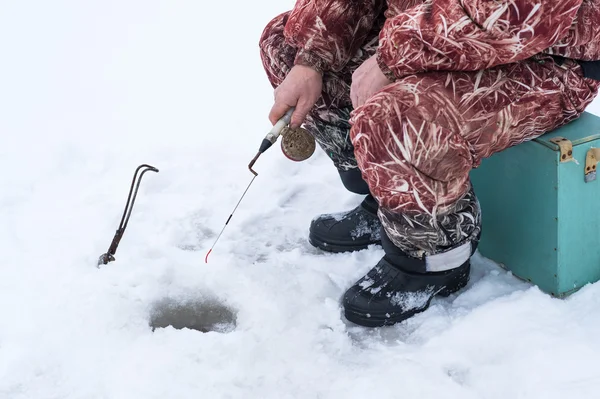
591	160
566	148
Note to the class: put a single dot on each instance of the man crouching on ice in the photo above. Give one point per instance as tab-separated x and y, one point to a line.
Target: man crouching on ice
406	97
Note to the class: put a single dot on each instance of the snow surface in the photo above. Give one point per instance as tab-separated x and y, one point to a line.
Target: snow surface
88	91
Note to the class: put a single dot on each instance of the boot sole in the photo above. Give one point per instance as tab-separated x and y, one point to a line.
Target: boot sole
338	247
381	320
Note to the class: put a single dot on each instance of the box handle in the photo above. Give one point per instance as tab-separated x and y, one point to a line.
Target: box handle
591	159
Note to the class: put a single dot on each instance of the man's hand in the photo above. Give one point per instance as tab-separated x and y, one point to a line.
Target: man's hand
366	81
301	89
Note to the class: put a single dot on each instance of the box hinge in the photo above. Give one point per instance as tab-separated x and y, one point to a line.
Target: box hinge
591	160
566	148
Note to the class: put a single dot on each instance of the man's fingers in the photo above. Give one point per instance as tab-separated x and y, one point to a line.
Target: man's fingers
354	99
298	118
358	98
300	113
353	92
279	109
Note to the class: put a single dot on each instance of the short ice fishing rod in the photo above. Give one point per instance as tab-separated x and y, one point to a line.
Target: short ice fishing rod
271	138
297	145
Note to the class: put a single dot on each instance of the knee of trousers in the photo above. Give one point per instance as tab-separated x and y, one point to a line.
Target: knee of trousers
410	162
276	55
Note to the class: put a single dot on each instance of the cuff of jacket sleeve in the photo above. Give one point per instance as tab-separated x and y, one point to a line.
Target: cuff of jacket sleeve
385	69
312	60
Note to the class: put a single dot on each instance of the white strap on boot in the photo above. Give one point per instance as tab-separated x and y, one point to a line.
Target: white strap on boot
448	260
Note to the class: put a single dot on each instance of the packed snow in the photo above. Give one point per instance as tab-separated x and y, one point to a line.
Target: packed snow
89	91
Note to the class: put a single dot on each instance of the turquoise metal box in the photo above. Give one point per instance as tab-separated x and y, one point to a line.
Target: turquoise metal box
540	205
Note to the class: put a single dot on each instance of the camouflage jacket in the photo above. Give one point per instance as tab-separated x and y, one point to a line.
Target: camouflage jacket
445	35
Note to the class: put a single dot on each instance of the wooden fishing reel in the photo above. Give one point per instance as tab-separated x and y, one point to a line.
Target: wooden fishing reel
297	144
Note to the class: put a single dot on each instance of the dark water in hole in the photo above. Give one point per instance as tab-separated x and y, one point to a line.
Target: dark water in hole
201	315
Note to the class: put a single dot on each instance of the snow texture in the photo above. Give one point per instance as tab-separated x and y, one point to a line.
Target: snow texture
412	300
363	228
90	90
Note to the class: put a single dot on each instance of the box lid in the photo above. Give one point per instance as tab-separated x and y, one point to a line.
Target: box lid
582	130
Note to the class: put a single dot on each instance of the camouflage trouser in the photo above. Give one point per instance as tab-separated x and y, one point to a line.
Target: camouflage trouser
416	141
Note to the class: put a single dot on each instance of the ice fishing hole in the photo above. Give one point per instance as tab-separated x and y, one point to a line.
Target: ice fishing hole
200	315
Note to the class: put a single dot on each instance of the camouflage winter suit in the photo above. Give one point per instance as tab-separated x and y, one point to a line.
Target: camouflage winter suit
470	78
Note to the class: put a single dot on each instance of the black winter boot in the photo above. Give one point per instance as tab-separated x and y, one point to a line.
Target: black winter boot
398	287
348	231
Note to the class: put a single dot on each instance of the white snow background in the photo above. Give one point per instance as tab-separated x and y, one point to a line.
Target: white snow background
90	90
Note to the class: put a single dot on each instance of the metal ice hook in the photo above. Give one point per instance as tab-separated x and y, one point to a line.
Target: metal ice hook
135	182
